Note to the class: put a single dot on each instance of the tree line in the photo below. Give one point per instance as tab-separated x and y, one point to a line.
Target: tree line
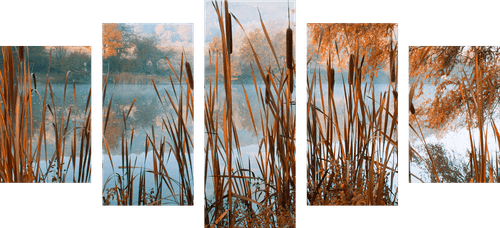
57	61
242	58
126	51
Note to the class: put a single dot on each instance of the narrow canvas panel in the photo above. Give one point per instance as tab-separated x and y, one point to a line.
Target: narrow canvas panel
249	114
352	117
147	114
45	111
453	114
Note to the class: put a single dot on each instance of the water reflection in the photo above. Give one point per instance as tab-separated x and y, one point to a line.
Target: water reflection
145	117
60	106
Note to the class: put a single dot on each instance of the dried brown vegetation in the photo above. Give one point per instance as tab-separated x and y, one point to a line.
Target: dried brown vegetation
243	197
176	145
352	142
467	87
23	147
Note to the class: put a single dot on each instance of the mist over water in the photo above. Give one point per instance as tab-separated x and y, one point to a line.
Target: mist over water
145	118
147	113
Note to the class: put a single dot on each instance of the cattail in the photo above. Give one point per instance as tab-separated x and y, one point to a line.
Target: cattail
412	109
351	69
34	79
229	32
392	64
289	50
21	53
395	93
268	84
190	75
230	35
331	79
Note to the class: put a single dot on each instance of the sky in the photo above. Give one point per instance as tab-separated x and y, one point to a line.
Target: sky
176	35
248	16
84	49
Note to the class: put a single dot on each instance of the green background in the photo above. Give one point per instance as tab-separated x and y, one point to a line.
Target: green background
78	23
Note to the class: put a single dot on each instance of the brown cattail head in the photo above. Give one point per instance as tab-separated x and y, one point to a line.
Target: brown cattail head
392	65
229	32
412	109
331	79
412	92
289	48
395	93
229	35
268	84
190	75
351	69
21	53
34	79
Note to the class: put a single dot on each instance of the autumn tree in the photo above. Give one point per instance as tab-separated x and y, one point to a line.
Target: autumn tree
454	71
373	41
128	36
148	53
111	39
215	45
215	48
258	41
121	61
263	50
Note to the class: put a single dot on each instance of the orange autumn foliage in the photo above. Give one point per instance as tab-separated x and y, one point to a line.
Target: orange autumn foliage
448	67
371	40
111	39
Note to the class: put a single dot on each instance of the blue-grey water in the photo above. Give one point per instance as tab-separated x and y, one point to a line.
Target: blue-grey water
60	106
146	119
249	139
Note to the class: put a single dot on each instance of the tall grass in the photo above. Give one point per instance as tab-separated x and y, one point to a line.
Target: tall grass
22	157
481	167
176	145
241	196
352	151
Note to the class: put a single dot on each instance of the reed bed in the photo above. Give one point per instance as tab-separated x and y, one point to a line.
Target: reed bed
483	162
128	184
352	143
24	156
242	196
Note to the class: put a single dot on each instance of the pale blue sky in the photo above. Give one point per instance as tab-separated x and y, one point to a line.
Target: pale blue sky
247	14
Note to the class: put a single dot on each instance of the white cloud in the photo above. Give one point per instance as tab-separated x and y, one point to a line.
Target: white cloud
175	35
